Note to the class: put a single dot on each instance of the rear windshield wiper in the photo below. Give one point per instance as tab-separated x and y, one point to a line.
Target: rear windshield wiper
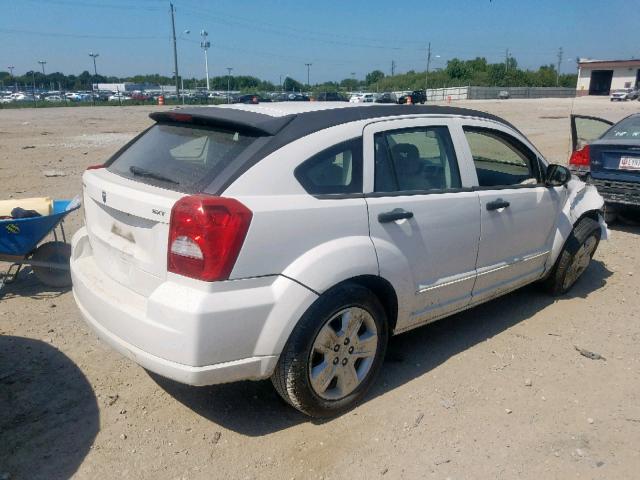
143	172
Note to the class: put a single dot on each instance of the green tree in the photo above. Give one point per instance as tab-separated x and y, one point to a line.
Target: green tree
374	77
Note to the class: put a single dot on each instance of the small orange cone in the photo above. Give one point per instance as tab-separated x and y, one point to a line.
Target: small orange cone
161	100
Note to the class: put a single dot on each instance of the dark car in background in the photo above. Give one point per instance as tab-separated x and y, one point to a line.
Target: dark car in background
387	97
417	96
250	98
607	155
330	97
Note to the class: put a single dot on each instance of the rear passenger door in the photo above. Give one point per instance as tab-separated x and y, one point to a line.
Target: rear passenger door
424	216
518	211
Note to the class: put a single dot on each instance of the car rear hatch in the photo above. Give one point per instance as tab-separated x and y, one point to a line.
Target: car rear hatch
615	161
128	226
616	155
128	203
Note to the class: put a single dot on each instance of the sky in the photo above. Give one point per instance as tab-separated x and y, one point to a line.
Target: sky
273	39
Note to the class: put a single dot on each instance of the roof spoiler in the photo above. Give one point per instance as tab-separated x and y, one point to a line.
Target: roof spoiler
227	118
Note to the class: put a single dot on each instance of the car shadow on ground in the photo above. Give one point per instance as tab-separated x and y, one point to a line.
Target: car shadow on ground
27	285
48	413
628	223
255	409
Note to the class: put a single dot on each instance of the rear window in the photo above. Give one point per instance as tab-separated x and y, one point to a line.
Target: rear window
180	158
627	128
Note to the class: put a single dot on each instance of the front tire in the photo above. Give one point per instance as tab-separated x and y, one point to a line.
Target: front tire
575	256
334	353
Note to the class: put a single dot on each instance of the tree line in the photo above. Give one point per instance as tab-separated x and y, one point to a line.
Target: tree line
476	72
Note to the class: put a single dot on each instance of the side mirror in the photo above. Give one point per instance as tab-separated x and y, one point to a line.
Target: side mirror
557	175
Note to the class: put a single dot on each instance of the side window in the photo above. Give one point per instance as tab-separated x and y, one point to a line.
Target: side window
335	170
501	160
415	159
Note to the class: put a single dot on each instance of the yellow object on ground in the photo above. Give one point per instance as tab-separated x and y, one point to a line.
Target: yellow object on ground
42	205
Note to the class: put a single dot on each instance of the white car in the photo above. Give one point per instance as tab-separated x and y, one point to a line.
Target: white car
289	241
53	98
117	97
623	95
362	98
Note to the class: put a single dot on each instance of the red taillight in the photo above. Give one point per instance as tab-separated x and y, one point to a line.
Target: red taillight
581	158
180	117
205	236
95	167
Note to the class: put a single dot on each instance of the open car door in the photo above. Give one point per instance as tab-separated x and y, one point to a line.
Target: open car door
584	129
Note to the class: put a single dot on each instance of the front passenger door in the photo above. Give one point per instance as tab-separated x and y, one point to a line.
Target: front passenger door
518	212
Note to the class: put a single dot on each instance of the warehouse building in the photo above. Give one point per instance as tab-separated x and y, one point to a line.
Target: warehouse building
600	77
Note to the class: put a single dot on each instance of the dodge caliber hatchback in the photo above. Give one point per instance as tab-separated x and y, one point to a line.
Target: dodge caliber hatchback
289	241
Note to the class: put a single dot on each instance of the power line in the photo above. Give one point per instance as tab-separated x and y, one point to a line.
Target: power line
81	35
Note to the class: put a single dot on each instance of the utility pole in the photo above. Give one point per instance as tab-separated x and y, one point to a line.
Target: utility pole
426	76
35	98
15	86
229	70
559	65
393	67
308	68
205	44
175	47
506	62
42	63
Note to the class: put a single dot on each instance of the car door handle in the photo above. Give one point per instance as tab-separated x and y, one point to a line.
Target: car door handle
393	215
497	204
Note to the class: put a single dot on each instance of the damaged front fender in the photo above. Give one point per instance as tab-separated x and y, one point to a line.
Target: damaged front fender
582	199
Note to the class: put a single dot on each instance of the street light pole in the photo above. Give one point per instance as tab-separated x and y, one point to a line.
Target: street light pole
15	87
42	63
95	69
229	70
205	44
308	68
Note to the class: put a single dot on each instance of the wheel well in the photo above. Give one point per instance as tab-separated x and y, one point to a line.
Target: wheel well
592	214
382	289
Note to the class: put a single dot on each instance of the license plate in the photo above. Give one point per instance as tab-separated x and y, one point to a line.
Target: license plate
629	163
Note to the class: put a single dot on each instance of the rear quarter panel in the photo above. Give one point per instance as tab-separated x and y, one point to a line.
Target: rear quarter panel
318	242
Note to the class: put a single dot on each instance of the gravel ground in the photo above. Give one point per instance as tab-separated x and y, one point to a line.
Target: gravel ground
499	391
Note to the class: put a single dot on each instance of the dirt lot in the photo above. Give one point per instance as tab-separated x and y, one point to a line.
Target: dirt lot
496	392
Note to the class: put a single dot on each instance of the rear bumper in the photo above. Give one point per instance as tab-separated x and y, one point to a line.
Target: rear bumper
243	369
193	332
620	193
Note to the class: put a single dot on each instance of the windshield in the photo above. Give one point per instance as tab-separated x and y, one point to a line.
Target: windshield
180	157
627	128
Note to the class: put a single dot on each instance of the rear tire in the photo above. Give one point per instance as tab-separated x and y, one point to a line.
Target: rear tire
53	252
334	353
575	256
